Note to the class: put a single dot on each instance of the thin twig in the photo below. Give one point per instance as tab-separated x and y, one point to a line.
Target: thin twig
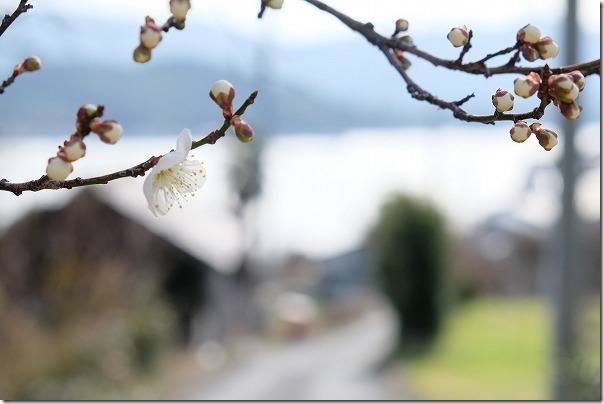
8	81
9	19
138	170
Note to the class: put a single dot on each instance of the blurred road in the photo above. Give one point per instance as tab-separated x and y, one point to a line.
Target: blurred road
341	364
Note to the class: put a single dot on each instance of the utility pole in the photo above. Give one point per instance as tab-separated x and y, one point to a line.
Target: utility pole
567	238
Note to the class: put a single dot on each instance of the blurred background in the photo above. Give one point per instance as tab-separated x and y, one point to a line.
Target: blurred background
364	246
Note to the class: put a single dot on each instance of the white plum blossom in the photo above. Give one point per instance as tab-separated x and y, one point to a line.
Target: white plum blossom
173	176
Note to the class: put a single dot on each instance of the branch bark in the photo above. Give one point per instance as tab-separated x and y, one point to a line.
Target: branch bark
9	19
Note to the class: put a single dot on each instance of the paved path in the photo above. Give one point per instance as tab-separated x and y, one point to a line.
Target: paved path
342	364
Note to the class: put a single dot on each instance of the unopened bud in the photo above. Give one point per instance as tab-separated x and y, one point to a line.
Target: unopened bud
503	100
276	4
223	94
73	149
401	58
563	88
578	78
547	48
570	110
109	131
528	34
407	39
242	129
141	54
31	64
527	85
520	132
150	34
58	169
85	112
401	25
547	138
458	36
529	53
179	9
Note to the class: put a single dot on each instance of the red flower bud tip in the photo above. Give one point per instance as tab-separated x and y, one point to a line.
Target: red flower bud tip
529	53
109	131
401	58
503	100
58	169
73	149
578	78
547	48
179	9
458	36
141	54
223	94
527	85
150	35
242	129
571	110
31	64
520	132
528	34
563	88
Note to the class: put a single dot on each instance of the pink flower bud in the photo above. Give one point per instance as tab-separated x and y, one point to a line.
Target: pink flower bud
571	110
276	4
503	100
528	34
458	36
547	48
150	34
402	25
31	64
179	9
520	132
223	94
58	169
527	85
141	54
73	149
563	88
529	53
86	111
547	138
578	78
109	131
242	129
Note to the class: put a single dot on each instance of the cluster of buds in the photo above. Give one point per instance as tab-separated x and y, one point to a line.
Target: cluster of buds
31	64
502	100
150	37
521	131
459	36
274	4
564	89
402	25
535	47
223	94
60	166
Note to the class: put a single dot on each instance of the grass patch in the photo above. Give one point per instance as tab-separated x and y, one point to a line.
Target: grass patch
490	349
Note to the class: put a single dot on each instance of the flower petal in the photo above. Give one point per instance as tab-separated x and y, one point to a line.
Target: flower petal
184	141
169	160
149	190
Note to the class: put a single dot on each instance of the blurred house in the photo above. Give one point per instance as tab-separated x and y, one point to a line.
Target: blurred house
88	254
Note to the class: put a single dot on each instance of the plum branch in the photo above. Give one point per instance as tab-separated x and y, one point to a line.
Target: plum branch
393	48
138	170
9	19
